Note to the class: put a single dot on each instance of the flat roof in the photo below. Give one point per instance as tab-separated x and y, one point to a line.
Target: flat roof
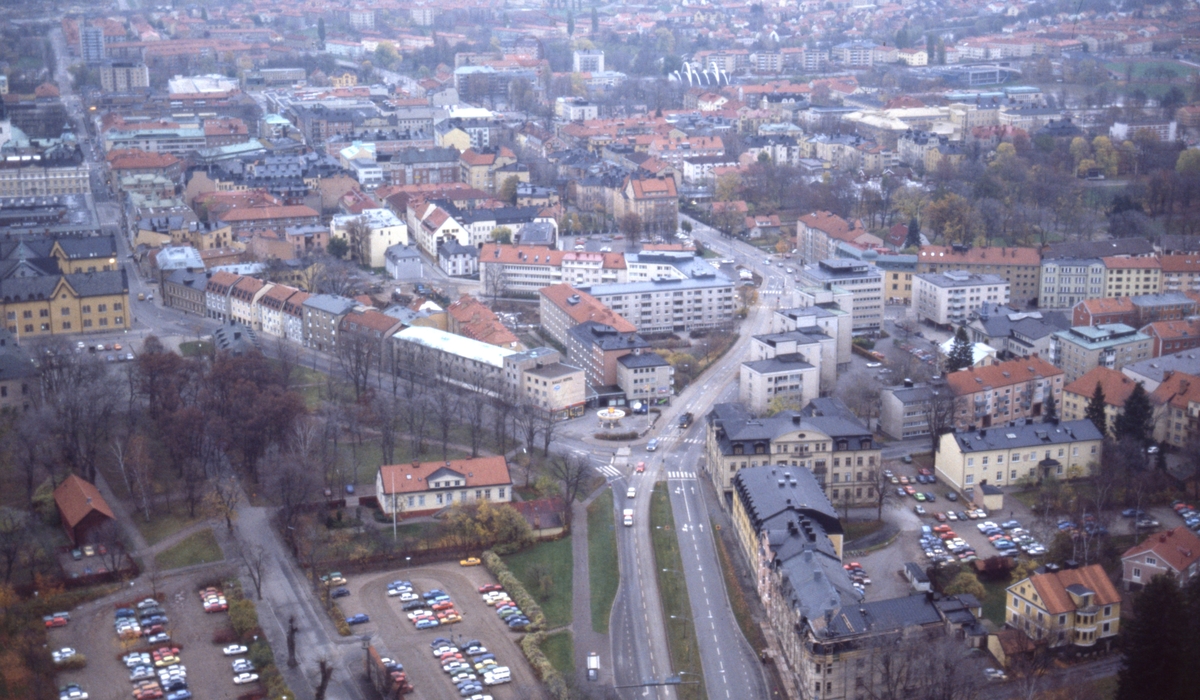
459	345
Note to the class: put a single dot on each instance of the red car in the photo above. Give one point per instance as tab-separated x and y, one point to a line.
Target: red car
56	622
445	605
641	467
488	588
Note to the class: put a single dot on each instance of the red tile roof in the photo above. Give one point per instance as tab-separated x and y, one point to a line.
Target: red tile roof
1180	263
654	188
1018	371
1116	386
1177	389
979	256
1108	305
76	498
293	211
474	320
1053	588
1179	548
1115	263
474	473
587	309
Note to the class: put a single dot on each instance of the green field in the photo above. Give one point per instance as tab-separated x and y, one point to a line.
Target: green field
672	589
559	648
558	562
163	526
602	559
1151	70
199	548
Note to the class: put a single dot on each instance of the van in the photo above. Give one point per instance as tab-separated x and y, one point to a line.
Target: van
628	519
631	492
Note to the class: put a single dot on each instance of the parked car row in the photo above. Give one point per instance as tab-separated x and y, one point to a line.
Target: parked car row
951	516
1190	516
470	666
213	600
430	609
148	620
157	674
942	545
1009	537
858	575
399	677
496	597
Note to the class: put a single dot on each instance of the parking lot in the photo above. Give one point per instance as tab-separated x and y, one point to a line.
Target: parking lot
395	636
105	677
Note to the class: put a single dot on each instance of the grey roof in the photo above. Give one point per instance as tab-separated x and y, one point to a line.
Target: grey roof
735	425
235	339
1164	299
884	615
910	395
1156	368
536	233
707	282
89	247
186	278
330	303
643	359
769	491
1098	249
553	370
15	364
606	337
102	283
789	362
959	278
400	251
1001	321
1005	437
830	407
797	336
452	248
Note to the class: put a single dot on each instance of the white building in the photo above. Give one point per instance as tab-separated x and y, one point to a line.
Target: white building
863	280
386	230
402	262
949	298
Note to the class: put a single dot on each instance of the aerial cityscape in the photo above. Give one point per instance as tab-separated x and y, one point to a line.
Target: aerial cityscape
552	350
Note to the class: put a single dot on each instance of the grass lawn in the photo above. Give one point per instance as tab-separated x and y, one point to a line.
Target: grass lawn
672	588
556	557
602	559
855	530
993	603
559	648
1142	70
165	525
200	548
737	597
193	348
367	457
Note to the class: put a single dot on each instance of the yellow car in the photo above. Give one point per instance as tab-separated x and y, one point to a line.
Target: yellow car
472	561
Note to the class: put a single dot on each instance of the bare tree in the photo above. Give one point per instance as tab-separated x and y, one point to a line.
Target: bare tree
572	472
495	280
81	397
224	498
254	560
287	358
325	671
527	420
14	538
358	356
388	419
547	425
335	277
109	538
883	493
942	407
33	447
444	409
291	641
139	466
862	396
293	482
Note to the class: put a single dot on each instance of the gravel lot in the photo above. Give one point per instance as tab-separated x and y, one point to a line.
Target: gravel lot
395	636
90	632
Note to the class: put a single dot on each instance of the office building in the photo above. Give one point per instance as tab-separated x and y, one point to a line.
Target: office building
1080	348
861	279
952	297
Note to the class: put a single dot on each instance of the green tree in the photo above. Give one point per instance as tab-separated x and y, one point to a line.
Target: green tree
1136	420
966	582
1095	410
686	227
595	21
508	191
321	29
502	234
1050	408
338	247
1188	162
913	239
570	23
961	354
1153	644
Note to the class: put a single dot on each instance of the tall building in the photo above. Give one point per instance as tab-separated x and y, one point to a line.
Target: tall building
123	76
1020	267
591	61
91	43
859	278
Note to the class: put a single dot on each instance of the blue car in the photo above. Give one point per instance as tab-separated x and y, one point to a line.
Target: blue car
339	592
180	695
426	624
358	619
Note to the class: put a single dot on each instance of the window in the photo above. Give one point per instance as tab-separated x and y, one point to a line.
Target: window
487	494
87	309
970	461
102	308
501	494
66	311
104	321
27	314
1151	561
999	476
421	500
970	478
117	306
1062	619
66	326
412	501
1107	611
1107	627
1137	573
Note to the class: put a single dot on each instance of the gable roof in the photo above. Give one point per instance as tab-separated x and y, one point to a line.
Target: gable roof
474	473
585	308
1116	386
1052	587
1107	305
77	498
1178	548
979	256
1177	389
1020	370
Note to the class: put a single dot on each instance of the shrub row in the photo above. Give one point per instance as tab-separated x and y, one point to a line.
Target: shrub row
260	650
631	435
515	589
75	662
339	619
531	644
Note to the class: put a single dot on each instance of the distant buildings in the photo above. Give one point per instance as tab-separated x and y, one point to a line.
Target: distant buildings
1078	349
427	487
999	394
1077	609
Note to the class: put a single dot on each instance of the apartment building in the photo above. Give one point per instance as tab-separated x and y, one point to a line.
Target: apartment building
1076	609
1078	394
703	299
1078	349
905	411
216	294
861	279
818	234
323	315
1126	277
950	298
1180	273
1066	282
1008	391
563	307
1020	267
795	366
1016	333
646	377
830	443
1177	408
1174	553
124	76
1173	336
383	230
596	348
1019	452
523	270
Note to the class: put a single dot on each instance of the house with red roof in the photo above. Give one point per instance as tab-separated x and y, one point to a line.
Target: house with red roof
422	488
81	509
1078	609
1174	553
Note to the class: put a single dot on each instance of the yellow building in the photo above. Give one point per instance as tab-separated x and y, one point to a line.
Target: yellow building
159	232
343	79
1131	277
83	302
1004	455
1077	608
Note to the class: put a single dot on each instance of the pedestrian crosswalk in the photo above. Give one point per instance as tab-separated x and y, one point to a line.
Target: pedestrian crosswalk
695	441
683	476
609	471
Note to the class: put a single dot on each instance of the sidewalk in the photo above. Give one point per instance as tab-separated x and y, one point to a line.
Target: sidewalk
585	639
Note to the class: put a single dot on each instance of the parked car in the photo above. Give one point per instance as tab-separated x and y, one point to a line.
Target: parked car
951	496
359	619
339	592
234	650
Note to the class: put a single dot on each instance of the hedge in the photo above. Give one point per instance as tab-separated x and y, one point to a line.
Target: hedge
631	435
531	644
515	589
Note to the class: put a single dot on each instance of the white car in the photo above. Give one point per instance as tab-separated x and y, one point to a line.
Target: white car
141	673
493	679
443	649
419	613
243	678
62	654
873	365
243	665
136	659
408	597
463	676
233	650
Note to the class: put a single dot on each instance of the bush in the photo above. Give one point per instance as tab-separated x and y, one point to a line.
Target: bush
225	635
531	645
260	654
243	617
515	589
75	662
631	435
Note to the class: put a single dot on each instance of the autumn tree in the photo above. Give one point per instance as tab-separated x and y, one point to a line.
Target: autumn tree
631	225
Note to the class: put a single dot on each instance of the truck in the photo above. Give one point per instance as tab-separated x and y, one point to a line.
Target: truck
628	519
593	666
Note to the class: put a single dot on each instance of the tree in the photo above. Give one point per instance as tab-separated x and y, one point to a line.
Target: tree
1188	162
961	354
224	498
1095	410
358	240
1136	420
595	21
573	472
254	559
1050	407
502	234
321	29
966	582
358	356
686	227
325	673
508	190
631	225
942	406
570	23
913	239
337	248
1153	641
